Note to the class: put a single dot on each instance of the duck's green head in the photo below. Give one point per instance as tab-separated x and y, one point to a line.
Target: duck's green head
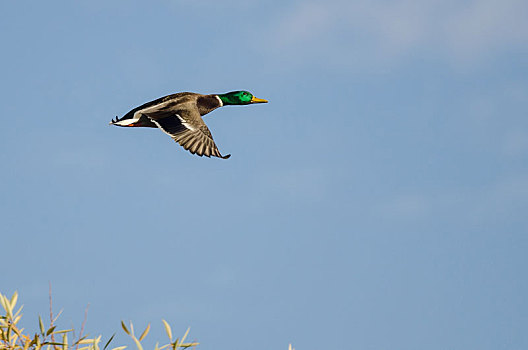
240	98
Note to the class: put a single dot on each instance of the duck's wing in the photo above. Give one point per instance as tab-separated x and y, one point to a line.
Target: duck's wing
188	129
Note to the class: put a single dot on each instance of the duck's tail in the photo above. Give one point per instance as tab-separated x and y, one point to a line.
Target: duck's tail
123	121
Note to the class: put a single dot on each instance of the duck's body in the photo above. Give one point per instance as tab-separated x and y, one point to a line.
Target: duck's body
180	116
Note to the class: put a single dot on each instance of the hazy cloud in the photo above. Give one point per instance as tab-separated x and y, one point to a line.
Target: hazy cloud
459	31
494	203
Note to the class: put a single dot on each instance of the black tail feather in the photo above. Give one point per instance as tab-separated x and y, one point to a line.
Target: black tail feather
116	120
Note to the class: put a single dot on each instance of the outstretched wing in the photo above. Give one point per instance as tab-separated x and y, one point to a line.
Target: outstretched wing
189	131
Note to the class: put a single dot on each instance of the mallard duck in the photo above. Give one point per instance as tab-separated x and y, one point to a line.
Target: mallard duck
180	116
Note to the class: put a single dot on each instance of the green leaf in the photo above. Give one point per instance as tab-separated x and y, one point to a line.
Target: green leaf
41	325
124	328
50	330
8	334
34	341
109	340
82	340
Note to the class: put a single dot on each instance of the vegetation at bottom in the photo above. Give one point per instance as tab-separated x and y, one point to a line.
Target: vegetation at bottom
13	337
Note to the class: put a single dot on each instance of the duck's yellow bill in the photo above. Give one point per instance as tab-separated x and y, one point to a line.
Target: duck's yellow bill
258	100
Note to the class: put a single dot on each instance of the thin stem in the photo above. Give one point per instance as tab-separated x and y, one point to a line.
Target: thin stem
82	327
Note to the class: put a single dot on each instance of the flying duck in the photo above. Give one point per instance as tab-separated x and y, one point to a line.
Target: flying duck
180	116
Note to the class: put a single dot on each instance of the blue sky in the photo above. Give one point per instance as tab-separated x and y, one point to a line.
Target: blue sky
377	202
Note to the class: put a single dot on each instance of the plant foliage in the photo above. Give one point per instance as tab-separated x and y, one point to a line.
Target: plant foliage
12	337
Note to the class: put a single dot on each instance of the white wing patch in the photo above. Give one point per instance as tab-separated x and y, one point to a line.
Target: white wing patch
196	139
184	122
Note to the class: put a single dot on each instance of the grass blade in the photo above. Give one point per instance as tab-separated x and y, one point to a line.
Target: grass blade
41	325
145	332
14	299
167	329
108	342
50	330
138	344
185	335
124	328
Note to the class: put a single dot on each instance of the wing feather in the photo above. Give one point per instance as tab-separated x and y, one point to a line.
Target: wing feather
189	131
